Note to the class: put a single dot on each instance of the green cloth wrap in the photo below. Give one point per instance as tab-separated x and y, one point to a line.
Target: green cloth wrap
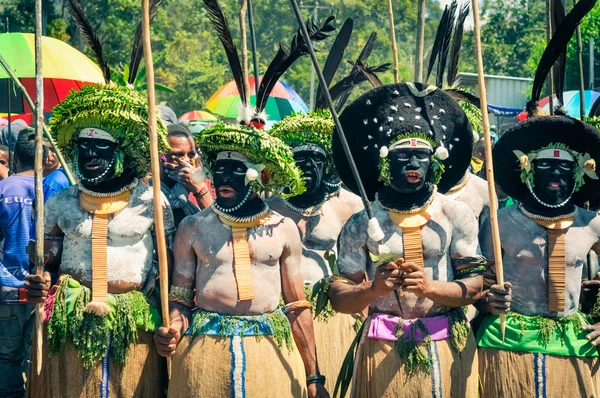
559	337
89	333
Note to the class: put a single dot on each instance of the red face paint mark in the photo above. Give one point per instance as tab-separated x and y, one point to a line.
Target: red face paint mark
557	154
413	142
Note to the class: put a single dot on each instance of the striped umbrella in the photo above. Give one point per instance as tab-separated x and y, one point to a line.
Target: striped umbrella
64	67
282	102
197	116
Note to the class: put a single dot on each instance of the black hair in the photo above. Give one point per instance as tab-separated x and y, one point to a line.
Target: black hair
25	147
178	130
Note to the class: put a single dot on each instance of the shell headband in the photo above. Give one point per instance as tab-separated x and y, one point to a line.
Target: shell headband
254	170
583	164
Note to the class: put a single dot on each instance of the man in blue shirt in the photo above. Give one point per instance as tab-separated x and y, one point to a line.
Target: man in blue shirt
17	195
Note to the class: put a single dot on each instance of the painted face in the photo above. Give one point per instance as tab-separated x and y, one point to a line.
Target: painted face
229	180
553	180
95	157
408	169
312	165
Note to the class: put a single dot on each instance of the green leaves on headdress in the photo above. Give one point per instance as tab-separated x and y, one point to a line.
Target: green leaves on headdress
306	128
261	148
120	111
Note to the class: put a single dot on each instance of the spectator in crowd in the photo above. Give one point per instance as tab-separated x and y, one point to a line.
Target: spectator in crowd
16	202
4	162
183	181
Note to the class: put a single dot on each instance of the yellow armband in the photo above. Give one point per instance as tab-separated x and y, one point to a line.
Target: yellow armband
295	306
182	295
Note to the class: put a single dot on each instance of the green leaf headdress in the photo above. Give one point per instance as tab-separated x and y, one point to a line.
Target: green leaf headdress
263	151
121	112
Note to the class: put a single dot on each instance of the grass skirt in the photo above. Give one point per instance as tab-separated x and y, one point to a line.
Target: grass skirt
63	374
379	372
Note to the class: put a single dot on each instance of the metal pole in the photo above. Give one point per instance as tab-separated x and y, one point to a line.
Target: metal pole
312	68
418	75
581	79
39	175
253	43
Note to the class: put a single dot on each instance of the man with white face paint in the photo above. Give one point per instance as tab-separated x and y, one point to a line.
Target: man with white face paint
548	164
99	239
319	213
233	262
417	262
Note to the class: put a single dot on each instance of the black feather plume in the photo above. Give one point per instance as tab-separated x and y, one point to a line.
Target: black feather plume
336	54
464	96
370	73
137	52
564	32
220	25
362	57
456	44
445	49
284	58
438	43
87	32
559	70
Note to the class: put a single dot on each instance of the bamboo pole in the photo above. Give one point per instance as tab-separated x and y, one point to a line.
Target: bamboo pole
489	164
582	113
253	44
158	209
548	38
17	83
39	175
394	44
244	45
418	75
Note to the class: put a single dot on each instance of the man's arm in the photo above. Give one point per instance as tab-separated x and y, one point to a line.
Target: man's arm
37	286
354	293
293	291
181	296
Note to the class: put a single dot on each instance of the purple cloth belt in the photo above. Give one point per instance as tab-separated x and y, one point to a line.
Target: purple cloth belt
383	327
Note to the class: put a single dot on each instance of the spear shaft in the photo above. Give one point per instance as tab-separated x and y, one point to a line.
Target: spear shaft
489	164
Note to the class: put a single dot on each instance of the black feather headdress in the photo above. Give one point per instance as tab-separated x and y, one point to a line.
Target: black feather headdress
284	58
336	54
557	45
221	27
456	45
137	52
87	31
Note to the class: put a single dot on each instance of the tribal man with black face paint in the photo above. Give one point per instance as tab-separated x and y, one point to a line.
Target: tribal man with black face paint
548	164
233	263
319	215
99	241
417	262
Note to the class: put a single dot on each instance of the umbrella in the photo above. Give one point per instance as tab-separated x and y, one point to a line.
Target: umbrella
197	116
64	67
571	105
282	102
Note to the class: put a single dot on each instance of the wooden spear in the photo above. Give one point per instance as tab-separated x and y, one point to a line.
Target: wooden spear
25	94
393	36
582	113
39	174
489	164
244	45
418	75
158	209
